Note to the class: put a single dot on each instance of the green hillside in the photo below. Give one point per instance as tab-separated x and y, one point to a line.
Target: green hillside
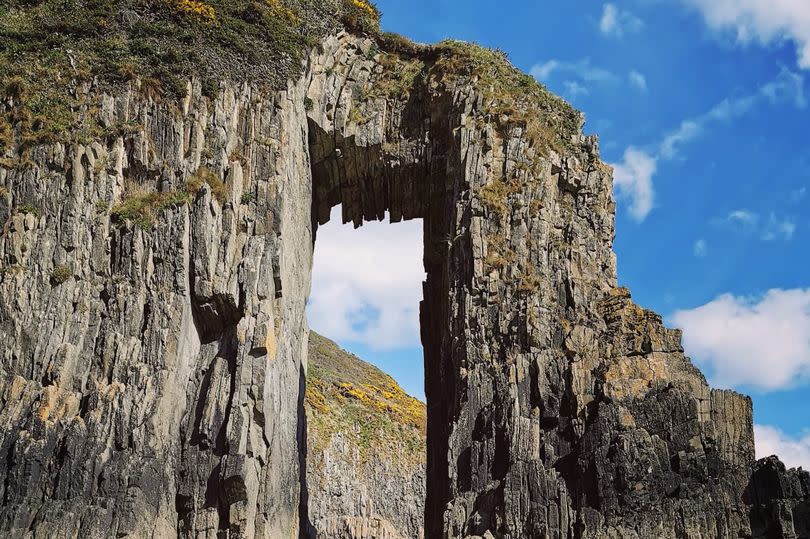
345	394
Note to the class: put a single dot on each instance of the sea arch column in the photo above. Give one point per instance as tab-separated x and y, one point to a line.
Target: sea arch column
499	217
556	406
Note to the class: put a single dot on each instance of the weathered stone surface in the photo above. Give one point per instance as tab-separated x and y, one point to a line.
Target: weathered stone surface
157	389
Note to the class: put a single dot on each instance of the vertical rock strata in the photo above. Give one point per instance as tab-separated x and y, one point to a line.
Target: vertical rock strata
153	365
157	389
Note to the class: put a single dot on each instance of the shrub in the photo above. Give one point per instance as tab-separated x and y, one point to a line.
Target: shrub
60	274
356	116
140	205
280	10
397	78
206	175
361	15
499	254
495	195
6	134
529	280
247	198
195	9
30	208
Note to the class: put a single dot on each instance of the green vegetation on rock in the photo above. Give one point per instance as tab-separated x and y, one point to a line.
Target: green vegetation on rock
140	205
51	51
512	98
60	275
346	395
55	55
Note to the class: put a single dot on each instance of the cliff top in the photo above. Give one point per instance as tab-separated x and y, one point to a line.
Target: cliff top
52	51
347	395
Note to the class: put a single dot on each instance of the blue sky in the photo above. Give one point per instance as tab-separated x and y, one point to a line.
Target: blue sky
701	106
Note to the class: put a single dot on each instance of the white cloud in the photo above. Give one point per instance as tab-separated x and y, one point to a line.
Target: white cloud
798	195
794	452
633	181
701	248
743	217
688	130
762	21
579	76
786	87
367	283
767	229
574	89
778	227
583	69
638	80
615	22
762	343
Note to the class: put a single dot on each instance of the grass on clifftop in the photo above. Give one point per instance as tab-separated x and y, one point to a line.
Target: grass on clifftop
51	49
345	394
512	98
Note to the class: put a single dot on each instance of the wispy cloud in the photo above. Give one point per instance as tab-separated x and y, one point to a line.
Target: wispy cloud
768	228
743	218
577	78
754	342
762	21
701	248
786	87
633	181
797	195
793	451
582	69
618	23
638	80
574	89
367	283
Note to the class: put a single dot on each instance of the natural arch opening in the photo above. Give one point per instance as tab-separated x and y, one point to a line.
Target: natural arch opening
366	417
371	182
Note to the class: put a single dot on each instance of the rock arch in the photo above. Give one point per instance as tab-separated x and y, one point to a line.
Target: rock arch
157	389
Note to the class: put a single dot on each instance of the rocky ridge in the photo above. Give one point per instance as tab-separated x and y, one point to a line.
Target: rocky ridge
156	255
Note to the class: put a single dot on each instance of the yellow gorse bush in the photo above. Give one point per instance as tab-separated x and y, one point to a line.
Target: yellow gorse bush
194	8
283	11
365	6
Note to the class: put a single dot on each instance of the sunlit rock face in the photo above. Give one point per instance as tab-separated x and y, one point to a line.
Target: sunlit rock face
152	314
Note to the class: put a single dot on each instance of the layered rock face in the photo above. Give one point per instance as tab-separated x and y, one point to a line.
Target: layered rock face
152	315
365	450
155	389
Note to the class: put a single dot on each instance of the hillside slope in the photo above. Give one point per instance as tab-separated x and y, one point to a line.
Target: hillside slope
366	449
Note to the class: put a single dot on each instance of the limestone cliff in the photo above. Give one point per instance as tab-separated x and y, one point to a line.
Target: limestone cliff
165	165
365	450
